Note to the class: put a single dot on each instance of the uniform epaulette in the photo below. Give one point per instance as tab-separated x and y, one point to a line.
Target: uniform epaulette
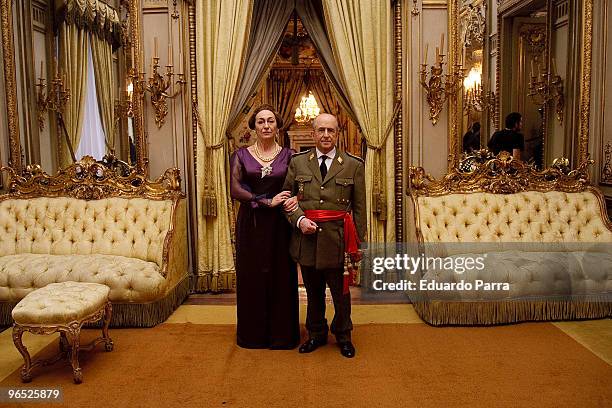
355	157
300	153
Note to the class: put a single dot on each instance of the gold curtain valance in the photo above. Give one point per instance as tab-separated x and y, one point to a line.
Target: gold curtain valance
93	15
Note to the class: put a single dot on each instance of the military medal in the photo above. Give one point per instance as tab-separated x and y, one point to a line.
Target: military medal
300	194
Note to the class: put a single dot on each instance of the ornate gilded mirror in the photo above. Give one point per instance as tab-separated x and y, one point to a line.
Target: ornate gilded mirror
544	72
67	66
477	100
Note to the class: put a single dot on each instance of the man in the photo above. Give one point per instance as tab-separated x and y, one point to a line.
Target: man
471	139
510	139
329	185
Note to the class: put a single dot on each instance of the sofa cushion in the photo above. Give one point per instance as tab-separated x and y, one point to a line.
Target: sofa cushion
529	216
61	303
530	275
134	228
130	279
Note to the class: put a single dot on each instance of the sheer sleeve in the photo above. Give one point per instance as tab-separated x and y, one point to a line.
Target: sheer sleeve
239	189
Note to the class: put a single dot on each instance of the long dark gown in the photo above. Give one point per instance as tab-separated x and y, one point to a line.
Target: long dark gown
266	277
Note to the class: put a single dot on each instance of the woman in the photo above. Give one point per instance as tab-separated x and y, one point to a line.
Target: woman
266	277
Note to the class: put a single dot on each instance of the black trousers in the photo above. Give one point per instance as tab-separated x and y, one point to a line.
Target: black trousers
316	324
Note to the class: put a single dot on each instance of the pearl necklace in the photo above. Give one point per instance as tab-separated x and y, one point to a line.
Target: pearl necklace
267	169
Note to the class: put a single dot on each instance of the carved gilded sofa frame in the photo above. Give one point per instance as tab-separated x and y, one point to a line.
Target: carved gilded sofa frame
502	175
91	180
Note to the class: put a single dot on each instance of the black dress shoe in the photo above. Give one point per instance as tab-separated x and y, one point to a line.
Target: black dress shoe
311	345
347	349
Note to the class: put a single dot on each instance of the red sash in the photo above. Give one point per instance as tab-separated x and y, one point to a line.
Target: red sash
351	238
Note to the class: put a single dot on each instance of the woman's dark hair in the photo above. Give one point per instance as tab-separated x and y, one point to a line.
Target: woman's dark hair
476	127
265	106
512	120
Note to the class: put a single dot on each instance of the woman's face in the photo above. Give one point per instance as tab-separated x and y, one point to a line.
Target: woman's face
265	125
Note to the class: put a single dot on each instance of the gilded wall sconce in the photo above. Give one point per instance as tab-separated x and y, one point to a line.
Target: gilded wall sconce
439	86
546	88
159	86
54	100
124	108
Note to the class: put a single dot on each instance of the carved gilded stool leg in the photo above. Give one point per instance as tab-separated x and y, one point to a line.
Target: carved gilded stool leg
74	336
26	370
64	346
108	312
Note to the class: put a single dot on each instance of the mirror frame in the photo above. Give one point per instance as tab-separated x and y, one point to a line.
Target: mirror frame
8	53
583	101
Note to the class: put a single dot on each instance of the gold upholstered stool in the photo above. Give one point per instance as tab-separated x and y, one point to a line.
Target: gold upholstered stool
62	307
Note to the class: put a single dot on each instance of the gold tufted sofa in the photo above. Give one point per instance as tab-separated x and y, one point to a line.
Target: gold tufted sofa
545	233
87	224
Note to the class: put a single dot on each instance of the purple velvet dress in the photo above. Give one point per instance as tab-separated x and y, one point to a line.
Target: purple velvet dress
266	277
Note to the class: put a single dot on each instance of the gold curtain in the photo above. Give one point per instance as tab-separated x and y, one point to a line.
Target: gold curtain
361	33
93	15
73	42
285	90
102	54
222	28
322	91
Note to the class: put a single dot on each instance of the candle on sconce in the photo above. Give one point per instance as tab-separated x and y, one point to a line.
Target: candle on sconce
442	43
426	51
170	59
41	69
154	47
554	66
437	55
181	63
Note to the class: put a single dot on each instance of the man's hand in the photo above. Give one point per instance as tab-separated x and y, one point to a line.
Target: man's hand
290	205
307	226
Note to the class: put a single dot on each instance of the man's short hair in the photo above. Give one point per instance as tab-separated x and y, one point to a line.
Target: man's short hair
512	120
476	126
314	121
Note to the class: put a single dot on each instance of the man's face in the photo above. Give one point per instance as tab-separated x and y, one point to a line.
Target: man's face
325	132
519	126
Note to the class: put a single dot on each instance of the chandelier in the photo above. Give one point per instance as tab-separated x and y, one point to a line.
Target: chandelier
308	109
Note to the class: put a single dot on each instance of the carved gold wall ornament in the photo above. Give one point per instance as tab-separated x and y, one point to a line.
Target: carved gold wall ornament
546	89
439	86
91	180
175	14
536	39
160	89
415	8
474	25
606	171
55	100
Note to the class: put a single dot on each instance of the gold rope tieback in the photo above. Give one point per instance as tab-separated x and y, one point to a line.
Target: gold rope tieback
209	196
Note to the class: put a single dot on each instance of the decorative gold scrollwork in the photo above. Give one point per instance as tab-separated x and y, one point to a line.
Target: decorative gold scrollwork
91	180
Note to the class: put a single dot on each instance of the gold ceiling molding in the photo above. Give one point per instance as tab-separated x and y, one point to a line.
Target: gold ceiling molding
94	15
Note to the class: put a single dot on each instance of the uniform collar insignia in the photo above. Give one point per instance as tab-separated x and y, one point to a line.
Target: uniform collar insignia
340	159
312	155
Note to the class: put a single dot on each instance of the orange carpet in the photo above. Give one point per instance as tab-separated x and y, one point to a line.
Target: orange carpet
187	365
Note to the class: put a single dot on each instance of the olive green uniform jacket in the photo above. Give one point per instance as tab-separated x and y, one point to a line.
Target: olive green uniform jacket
343	189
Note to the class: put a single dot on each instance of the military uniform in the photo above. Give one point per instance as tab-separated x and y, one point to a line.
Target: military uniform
321	255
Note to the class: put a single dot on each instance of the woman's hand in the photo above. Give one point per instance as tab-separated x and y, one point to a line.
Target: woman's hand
290	204
280	198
